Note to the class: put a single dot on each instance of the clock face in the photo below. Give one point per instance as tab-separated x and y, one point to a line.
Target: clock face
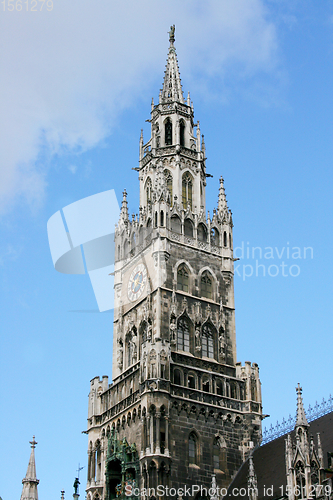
137	282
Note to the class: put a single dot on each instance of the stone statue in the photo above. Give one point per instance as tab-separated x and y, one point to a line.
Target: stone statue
172	33
76	485
173	329
149	332
197	339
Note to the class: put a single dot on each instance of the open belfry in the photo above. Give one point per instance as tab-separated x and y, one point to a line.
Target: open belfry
180	409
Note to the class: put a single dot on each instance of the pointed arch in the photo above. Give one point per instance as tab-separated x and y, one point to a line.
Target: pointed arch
188	227
207	340
168	132
202	232
215	236
182	133
187	189
193	451
148	190
206	285
183	278
183	333
176	225
126	249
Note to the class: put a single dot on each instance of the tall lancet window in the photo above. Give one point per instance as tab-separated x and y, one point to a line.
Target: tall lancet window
182	133
192	449
207	341
187	184
183	334
206	285
168	178
168	132
182	278
148	190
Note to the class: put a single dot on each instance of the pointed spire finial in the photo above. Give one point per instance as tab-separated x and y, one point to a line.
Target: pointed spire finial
300	415
172	87
33	442
124	209
222	202
30	482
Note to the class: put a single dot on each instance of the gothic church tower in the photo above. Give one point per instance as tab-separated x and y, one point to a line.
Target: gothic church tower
180	408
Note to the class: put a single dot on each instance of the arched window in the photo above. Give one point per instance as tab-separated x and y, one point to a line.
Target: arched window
155	219
183	334
176	377
192	449
148	190
141	231
219	387
168	178
143	329
214	237
187	184
207	341
126	249
205	385
162	218
168	132
191	381
182	133
202	232
206	284
225	239
129	354
133	242
188	228
176	226
183	278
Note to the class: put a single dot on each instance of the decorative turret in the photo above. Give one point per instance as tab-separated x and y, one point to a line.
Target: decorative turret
124	210
304	464
30	482
222	206
301	420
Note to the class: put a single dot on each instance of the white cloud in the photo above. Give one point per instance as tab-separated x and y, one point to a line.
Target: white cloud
66	74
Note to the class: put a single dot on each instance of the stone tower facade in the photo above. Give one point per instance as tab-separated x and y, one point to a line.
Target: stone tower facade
180	410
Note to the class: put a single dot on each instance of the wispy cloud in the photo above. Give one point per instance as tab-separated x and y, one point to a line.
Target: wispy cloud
68	73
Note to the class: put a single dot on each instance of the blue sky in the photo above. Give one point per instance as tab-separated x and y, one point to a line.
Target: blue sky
76	86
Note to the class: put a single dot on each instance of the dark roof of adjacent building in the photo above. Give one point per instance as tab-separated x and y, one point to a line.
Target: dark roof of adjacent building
270	465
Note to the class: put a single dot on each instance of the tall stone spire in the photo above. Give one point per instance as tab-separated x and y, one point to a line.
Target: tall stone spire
222	202
124	209
300	415
30	482
172	87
